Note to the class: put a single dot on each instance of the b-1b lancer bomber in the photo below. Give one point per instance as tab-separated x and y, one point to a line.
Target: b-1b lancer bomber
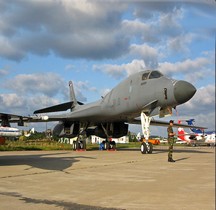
133	101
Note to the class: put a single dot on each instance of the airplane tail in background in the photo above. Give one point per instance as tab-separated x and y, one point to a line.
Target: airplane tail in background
72	94
181	134
64	106
184	136
194	130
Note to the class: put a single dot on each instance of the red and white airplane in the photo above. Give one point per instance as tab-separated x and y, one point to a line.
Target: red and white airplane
196	136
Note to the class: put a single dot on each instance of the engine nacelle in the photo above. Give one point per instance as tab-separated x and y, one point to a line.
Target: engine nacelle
66	129
115	130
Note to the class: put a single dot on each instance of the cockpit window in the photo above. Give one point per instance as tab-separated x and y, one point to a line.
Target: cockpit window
155	74
145	76
151	75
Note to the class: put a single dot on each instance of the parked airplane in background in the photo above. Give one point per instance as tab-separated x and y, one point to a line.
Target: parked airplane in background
9	132
144	94
197	135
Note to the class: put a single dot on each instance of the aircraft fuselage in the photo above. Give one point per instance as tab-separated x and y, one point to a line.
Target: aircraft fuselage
147	91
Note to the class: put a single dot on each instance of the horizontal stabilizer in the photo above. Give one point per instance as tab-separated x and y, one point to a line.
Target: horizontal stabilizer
57	108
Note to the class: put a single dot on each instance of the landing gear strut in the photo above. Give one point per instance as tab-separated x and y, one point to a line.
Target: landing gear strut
146	147
108	144
79	145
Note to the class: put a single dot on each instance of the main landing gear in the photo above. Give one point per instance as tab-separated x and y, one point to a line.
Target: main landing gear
79	145
108	145
146	147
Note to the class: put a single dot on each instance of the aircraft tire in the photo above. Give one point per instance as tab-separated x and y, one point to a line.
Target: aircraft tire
113	143
74	145
143	148
107	145
84	144
149	148
77	145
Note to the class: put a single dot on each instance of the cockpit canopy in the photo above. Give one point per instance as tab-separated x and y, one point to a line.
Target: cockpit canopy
151	75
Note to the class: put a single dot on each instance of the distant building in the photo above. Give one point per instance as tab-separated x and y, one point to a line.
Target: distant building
94	140
97	140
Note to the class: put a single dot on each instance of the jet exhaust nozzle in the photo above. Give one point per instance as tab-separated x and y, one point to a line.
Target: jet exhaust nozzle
183	91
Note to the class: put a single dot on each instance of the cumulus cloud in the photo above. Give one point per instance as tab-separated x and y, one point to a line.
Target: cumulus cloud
70	29
201	107
180	43
204	99
118	71
3	72
86	29
22	105
191	69
147	53
49	84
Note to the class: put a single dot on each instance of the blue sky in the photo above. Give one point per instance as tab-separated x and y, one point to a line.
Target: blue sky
46	43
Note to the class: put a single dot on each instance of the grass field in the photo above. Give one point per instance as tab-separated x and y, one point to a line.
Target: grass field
52	145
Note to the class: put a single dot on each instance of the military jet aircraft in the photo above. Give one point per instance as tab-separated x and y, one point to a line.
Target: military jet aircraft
133	101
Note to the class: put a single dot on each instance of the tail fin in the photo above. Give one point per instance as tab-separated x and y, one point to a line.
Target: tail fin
181	134
72	93
194	130
64	106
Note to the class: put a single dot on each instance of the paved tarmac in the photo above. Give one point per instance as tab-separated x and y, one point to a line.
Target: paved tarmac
98	180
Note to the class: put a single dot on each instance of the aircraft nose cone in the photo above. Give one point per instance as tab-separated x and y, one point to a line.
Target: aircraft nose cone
183	91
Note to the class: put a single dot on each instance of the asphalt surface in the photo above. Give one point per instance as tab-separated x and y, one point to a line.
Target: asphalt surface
97	180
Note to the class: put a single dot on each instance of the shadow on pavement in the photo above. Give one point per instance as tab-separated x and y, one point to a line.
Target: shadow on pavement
42	161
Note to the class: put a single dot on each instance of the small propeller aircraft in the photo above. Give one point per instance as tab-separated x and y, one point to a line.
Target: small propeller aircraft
133	101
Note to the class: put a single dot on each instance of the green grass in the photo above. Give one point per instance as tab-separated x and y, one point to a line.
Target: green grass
34	145
53	145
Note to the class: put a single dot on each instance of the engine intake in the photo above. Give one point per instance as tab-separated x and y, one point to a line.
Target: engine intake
66	129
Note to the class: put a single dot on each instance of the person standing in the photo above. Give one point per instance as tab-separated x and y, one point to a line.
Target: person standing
171	135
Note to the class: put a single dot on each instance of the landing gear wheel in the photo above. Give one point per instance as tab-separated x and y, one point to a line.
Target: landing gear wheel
149	147
113	145
77	145
107	145
83	144
143	148
74	145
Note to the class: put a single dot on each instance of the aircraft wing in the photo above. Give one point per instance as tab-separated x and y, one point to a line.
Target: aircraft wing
6	119
164	123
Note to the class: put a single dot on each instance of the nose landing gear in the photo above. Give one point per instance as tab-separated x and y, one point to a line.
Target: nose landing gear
146	147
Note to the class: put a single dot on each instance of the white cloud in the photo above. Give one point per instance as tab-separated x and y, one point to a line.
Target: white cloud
118	71
86	29
203	102
147	53
3	72
192	70
22	105
180	43
49	84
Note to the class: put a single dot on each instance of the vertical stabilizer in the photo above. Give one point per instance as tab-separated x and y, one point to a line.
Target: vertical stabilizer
181	134
72	93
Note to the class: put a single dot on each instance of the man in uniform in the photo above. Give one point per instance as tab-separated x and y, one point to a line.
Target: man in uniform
170	141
